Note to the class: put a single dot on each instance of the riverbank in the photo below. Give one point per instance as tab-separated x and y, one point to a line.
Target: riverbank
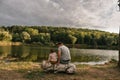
85	46
5	43
32	71
78	46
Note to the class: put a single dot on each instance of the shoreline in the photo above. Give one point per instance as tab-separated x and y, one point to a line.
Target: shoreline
6	43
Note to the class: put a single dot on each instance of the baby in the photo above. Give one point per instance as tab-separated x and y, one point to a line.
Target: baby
52	57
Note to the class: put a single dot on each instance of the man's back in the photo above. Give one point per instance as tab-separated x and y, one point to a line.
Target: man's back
65	53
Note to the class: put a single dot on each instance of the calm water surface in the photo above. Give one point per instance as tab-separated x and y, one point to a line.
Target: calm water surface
37	53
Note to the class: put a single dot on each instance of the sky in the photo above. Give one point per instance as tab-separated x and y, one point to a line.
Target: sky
93	14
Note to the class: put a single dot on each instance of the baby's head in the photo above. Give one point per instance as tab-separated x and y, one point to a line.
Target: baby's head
52	50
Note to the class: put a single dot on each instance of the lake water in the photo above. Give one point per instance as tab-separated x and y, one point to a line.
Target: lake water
37	53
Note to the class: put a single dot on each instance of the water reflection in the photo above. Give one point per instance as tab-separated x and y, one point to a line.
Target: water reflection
37	53
29	53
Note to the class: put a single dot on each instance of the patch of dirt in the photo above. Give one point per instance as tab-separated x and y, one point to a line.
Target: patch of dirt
91	73
11	75
100	72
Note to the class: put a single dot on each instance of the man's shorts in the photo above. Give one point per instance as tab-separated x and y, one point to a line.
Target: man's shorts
64	61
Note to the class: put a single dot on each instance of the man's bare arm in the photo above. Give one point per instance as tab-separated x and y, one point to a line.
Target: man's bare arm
59	55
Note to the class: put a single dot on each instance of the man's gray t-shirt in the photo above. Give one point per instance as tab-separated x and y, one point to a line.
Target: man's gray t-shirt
65	53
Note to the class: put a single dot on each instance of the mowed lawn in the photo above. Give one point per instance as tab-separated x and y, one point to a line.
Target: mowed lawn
32	71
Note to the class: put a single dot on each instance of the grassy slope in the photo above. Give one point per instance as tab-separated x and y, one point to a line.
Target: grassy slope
32	71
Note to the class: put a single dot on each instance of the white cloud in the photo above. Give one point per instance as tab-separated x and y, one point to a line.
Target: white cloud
95	14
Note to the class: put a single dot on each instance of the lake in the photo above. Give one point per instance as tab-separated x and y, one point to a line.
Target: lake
37	53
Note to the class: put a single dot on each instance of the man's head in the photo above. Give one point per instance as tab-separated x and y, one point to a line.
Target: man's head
59	44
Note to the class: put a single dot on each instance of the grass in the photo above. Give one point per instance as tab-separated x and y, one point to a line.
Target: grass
32	71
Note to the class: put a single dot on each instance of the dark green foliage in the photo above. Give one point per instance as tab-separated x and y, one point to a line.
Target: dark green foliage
49	34
16	37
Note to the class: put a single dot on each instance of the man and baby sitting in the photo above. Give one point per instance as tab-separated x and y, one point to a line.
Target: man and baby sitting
61	59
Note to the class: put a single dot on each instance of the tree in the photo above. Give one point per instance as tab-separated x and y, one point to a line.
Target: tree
44	38
102	40
33	34
5	36
32	31
25	36
16	37
61	36
87	39
73	39
1	29
80	37
15	29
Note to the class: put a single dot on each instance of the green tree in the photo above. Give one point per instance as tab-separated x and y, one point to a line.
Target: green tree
56	34
87	39
5	36
80	37
1	29
32	31
110	40
25	37
73	39
16	37
60	36
44	38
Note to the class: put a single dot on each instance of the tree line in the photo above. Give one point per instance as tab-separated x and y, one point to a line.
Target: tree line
49	35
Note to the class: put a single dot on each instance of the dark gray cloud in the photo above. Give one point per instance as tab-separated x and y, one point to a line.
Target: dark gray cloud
96	14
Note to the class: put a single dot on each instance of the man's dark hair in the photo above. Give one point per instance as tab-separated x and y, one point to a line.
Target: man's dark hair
59	43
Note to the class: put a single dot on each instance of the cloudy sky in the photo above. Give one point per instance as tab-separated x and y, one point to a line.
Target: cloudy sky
92	14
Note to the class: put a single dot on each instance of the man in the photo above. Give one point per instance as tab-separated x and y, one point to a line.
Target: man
64	56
